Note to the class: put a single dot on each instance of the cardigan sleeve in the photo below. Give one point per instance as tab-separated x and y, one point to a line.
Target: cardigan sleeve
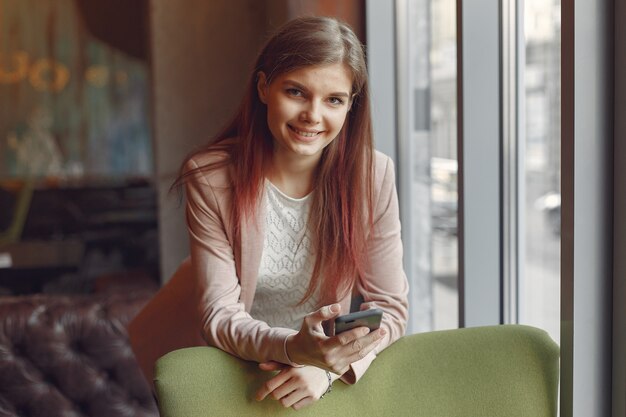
384	284
225	322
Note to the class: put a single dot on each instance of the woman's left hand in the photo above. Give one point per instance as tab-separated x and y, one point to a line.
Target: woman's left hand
293	387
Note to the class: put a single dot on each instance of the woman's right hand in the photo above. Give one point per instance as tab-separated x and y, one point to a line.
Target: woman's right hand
310	346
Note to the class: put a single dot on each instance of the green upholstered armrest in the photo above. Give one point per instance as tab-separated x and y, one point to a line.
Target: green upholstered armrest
508	370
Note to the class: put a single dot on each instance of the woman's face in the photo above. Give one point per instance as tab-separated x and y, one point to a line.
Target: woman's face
306	109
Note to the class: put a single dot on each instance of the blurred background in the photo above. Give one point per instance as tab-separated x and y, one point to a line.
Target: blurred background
100	101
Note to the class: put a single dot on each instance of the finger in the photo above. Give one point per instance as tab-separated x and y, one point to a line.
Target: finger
271	384
350	347
346	337
271	366
327	312
303	403
359	348
362	334
374	337
343	348
292	398
287	389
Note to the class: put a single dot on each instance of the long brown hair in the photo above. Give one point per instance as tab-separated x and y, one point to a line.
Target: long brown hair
341	212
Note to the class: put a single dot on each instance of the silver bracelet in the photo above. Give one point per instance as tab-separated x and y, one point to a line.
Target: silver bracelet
330	385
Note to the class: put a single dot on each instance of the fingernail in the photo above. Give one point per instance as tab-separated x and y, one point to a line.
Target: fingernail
334	308
382	332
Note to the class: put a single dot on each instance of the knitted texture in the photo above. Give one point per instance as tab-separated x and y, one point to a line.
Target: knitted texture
286	262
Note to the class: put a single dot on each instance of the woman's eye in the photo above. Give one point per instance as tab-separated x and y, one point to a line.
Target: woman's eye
335	101
294	92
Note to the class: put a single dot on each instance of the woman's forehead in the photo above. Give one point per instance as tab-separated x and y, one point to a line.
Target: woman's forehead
326	77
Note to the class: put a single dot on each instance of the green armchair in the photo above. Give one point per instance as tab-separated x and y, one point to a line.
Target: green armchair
508	370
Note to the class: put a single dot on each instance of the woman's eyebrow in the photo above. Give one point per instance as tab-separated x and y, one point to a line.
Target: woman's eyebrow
303	88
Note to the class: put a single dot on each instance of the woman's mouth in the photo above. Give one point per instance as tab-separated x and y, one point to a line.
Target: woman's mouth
304	133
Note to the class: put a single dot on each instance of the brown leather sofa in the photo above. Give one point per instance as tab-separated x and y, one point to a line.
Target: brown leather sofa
70	356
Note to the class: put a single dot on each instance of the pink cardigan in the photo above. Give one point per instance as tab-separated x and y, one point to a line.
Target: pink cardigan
208	299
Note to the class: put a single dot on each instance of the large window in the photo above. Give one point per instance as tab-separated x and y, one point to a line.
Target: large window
428	168
539	127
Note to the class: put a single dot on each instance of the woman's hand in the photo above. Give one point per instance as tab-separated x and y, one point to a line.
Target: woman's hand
310	346
294	387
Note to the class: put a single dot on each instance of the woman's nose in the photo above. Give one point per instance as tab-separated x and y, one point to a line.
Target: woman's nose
311	113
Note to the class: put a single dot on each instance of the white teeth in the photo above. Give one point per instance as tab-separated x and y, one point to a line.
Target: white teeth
305	134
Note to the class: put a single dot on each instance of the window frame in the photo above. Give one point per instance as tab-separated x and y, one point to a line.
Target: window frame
619	227
586	206
480	163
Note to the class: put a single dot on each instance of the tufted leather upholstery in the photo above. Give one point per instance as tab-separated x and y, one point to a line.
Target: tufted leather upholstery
70	356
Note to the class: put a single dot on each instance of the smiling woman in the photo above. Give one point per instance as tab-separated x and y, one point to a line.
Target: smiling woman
291	215
306	110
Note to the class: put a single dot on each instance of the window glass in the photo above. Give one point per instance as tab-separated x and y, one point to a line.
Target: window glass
539	291
432	133
443	164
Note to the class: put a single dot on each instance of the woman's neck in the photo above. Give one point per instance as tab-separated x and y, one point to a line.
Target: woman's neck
293	177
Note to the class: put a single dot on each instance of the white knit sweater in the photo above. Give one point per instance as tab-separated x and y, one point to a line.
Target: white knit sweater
286	262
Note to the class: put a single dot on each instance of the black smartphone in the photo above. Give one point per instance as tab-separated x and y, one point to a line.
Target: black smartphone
367	318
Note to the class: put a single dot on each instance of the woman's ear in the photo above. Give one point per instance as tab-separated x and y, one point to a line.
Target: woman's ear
261	86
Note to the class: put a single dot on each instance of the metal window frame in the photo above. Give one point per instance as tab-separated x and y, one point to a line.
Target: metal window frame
403	163
513	156
619	225
380	25
587	206
480	162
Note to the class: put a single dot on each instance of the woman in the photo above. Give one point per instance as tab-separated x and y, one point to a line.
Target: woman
291	213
